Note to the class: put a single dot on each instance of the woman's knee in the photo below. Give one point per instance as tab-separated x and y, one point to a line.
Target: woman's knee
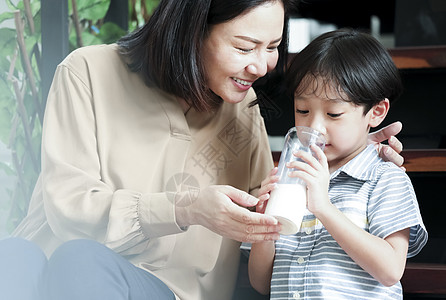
87	264
20	246
22	264
18	252
102	274
79	254
80	247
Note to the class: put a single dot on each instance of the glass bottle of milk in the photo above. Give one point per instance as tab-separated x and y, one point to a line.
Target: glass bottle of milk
288	200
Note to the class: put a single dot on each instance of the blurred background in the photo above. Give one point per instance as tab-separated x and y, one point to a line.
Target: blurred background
37	34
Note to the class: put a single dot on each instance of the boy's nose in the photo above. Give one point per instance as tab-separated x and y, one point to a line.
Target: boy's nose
318	125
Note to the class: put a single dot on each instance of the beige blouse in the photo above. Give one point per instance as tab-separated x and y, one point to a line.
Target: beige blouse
115	151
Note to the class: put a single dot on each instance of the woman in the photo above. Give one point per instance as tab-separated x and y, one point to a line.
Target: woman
151	147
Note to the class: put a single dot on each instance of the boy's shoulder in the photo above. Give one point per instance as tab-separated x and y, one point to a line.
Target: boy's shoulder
388	169
368	165
386	174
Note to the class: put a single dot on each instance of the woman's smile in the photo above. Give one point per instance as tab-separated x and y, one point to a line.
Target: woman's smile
242	84
239	52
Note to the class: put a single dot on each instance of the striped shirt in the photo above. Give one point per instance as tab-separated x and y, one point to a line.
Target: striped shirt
378	197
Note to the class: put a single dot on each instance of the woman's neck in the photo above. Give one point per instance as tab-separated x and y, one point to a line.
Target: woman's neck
184	105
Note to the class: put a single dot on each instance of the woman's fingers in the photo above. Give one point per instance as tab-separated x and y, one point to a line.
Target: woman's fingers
385	133
240	197
255	227
392	151
220	209
389	154
395	144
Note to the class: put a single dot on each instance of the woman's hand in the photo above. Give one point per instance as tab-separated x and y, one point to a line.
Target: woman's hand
222	210
268	184
388	152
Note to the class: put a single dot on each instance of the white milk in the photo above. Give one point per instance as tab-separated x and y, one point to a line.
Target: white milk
287	204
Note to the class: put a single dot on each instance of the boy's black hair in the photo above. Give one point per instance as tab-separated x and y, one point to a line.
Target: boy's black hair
352	62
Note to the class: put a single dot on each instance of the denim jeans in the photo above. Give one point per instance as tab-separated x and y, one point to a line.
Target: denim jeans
78	269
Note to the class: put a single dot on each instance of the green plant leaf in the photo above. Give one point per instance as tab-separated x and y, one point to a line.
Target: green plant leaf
6	168
92	9
37	24
7	47
35	8
5	124
151	5
90	39
6	16
110	33
11	5
20	6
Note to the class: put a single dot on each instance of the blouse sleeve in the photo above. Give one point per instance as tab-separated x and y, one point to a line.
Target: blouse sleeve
393	207
78	204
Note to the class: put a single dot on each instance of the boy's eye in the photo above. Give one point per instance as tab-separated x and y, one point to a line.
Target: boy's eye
243	50
334	115
299	111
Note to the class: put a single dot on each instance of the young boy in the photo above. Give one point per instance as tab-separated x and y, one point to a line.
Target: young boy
362	219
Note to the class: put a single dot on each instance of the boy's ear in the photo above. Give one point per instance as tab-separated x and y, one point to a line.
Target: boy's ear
379	112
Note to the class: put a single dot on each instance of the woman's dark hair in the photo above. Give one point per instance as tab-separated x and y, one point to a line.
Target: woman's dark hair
167	50
353	62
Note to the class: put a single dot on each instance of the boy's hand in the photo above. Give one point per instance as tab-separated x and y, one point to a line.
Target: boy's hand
268	184
315	173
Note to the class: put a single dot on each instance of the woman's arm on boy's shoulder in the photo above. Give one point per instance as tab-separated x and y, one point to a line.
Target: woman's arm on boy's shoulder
260	266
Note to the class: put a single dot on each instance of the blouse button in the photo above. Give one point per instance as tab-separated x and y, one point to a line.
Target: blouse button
296	295
300	260
308	230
